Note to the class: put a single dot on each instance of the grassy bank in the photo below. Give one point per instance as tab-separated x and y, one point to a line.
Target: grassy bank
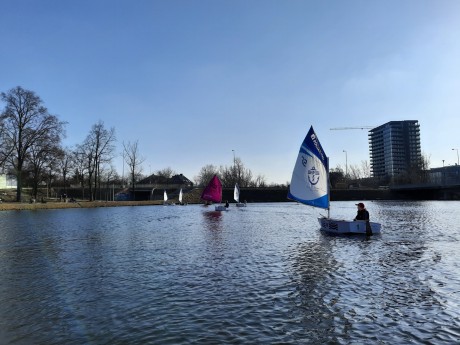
6	206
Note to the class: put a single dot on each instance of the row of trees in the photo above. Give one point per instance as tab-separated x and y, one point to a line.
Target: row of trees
31	148
229	175
416	173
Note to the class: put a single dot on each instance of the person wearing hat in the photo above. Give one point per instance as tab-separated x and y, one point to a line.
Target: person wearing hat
363	214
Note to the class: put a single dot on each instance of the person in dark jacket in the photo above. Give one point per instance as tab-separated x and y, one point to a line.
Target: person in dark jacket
363	214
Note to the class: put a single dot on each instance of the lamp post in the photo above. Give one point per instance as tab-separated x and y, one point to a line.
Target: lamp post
346	163
123	172
458	161
234	165
443	163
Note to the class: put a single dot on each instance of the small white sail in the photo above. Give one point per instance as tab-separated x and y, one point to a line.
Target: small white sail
165	196
236	193
180	196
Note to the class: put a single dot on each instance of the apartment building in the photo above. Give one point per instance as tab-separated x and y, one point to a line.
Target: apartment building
395	148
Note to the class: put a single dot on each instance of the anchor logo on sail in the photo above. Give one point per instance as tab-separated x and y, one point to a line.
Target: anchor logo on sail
313	176
304	161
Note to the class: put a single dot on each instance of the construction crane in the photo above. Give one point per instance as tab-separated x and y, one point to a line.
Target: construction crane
342	128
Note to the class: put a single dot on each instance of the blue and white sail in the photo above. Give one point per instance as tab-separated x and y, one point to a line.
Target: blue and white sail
310	178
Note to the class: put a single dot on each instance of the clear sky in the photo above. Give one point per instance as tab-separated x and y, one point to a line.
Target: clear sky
193	80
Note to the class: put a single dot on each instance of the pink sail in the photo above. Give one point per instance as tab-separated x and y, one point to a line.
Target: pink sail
213	191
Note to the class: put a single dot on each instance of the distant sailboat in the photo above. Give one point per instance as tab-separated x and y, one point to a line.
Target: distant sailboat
236	196
165	198
213	193
310	186
180	197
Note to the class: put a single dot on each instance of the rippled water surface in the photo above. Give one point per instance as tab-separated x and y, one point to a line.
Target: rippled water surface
260	275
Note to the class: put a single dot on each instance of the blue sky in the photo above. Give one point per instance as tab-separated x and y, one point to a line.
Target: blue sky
194	80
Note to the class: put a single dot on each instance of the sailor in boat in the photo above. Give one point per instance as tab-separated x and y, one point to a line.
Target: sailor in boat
226	204
363	214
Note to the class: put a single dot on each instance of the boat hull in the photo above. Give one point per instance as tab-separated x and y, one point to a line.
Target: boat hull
221	208
240	204
338	226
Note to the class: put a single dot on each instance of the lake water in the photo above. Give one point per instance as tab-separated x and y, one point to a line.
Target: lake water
260	275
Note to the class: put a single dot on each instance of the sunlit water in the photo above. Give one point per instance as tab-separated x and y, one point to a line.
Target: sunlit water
260	275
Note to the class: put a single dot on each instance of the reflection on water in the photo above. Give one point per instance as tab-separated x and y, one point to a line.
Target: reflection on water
312	269
265	274
212	220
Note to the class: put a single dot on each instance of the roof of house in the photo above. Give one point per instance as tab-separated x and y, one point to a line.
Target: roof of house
157	179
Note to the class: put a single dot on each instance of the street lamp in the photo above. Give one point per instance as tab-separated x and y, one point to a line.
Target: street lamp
123	173
234	164
346	163
458	161
443	163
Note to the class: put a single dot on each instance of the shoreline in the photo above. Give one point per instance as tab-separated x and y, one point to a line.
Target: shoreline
50	205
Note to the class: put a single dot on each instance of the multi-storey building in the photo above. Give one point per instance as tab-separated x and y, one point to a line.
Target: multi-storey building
395	148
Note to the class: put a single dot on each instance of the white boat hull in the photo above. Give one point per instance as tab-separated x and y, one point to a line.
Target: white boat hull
338	226
221	208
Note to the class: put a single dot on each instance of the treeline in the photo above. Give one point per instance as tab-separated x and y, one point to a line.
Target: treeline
31	149
229	175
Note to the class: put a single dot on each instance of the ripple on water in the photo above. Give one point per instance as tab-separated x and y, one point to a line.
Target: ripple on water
265	274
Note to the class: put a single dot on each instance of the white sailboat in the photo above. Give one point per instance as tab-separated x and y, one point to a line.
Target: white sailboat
181	197
310	186
165	198
236	196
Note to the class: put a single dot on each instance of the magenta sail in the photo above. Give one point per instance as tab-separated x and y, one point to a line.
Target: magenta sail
213	191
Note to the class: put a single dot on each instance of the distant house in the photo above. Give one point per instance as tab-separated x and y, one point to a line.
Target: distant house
157	181
8	181
152	187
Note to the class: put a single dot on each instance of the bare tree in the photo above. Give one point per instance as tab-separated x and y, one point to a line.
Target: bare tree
205	175
65	163
109	175
80	167
85	157
365	169
42	165
134	162
6	151
97	149
354	172
237	173
259	181
25	122
166	172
